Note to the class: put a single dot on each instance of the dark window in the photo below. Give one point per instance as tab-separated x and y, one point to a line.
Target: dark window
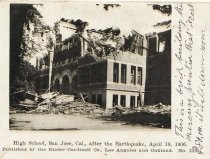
122	100
65	85
116	72
139	102
85	97
99	99
132	102
152	45
115	100
139	76
141	46
57	85
133	75
123	73
91	77
93	100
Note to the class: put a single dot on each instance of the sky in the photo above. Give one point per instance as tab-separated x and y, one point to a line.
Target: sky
130	15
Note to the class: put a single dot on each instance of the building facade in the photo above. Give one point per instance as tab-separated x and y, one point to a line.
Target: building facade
130	77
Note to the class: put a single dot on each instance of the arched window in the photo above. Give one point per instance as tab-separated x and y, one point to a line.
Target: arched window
65	85
57	85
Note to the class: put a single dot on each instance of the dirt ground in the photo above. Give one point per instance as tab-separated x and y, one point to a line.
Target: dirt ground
23	121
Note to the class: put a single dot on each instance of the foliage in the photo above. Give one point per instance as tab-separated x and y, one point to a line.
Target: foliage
164	23
164	9
108	6
25	80
25	26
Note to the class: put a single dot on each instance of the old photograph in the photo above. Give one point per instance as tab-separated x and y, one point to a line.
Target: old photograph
90	66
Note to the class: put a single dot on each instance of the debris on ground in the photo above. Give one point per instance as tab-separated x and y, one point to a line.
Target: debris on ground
56	103
158	115
153	109
77	107
158	108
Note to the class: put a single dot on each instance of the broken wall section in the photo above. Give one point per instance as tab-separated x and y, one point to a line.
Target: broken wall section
158	79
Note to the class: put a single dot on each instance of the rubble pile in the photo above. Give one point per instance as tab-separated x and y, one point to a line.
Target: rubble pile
158	108
119	110
65	104
156	115
71	108
56	103
153	109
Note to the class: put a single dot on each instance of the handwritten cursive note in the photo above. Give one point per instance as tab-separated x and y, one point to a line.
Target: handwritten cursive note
189	77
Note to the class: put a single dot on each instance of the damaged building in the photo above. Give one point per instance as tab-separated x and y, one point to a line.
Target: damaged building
108	69
158	83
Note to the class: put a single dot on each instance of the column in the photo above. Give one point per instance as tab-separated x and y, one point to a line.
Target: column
136	75
128	74
127	101
119	73
110	69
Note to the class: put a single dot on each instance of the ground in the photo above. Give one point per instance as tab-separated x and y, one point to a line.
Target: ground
24	121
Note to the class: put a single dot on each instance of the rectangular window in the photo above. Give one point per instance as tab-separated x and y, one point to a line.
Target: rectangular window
99	99
85	98
141	47
133	75
152	45
139	76
123	73
122	100
116	73
132	102
90	74
115	100
93	100
139	102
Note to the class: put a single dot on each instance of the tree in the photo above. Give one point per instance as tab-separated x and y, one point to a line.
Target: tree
21	16
164	9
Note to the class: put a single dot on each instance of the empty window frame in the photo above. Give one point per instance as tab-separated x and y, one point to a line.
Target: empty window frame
115	100
133	75
116	72
132	101
123	100
91	78
123	73
141	44
93	100
139	102
99	99
139	76
85	97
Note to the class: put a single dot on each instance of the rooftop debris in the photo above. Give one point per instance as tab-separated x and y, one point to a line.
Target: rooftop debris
79	24
104	42
110	42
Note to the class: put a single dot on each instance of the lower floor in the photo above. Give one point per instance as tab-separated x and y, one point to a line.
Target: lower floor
110	98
